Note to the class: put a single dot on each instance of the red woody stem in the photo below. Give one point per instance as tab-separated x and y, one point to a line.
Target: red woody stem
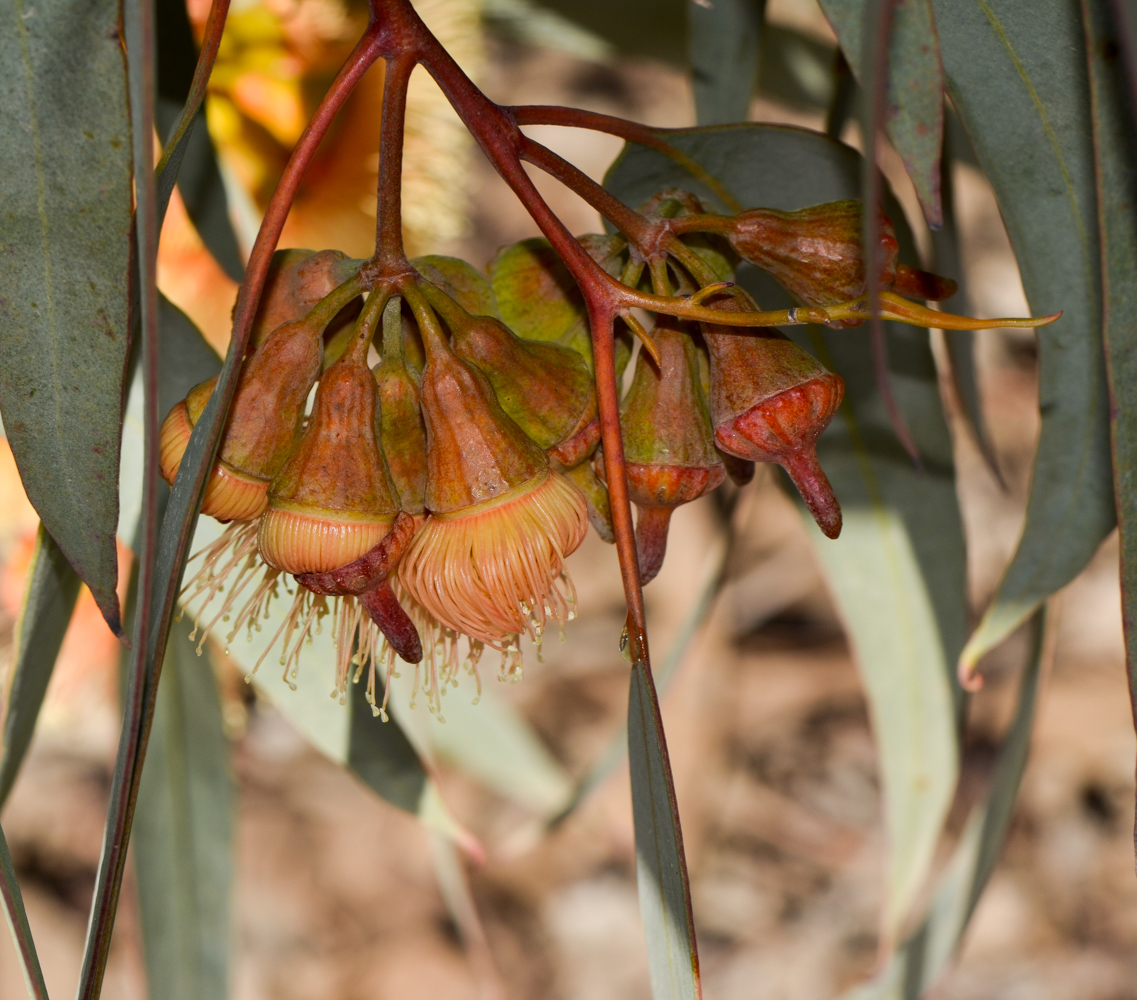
390	258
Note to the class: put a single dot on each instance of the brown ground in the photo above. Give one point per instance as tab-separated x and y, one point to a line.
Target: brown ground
775	764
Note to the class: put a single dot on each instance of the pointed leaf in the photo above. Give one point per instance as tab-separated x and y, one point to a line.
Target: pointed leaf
898	570
65	243
723	41
183	833
50	594
914	118
17	919
1017	76
661	871
491	742
1116	146
930	950
375	750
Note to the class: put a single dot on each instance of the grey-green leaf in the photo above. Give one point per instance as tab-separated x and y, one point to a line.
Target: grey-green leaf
927	953
49	599
17	918
914	118
723	42
661	872
65	189
1117	164
898	571
1016	73
183	833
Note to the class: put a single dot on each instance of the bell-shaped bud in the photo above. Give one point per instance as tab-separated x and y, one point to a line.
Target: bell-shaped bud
332	501
263	424
770	401
546	389
488	561
402	433
297	280
817	254
669	446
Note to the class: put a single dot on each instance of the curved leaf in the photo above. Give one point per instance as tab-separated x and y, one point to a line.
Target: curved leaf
661	872
17	919
1116	146
183	833
378	752
898	570
928	952
65	243
914	119
49	599
723	42
1017	76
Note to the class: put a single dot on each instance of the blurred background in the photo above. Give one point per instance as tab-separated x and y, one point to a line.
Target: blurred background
341	896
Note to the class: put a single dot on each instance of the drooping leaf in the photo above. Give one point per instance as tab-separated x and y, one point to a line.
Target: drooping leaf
723	43
1017	76
901	554
183	833
489	741
914	118
50	594
929	951
377	751
65	241
187	359
654	28
661	871
192	161
1116	149
17	919
692	625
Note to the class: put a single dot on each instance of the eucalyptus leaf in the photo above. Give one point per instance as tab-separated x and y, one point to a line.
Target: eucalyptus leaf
463	282
723	40
1117	163
490	741
654	28
1017	76
914	118
50	594
183	833
376	751
929	951
661	872
898	570
65	186
17	918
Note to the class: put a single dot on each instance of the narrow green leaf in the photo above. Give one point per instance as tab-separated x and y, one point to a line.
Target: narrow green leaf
654	28
898	570
49	599
1017	76
189	157
17	919
691	627
66	194
723	41
928	952
661	871
914	118
183	833
1116	147
491	742
376	751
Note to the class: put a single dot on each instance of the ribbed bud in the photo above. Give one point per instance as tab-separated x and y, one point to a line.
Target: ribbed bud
332	501
770	401
817	254
297	280
669	445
